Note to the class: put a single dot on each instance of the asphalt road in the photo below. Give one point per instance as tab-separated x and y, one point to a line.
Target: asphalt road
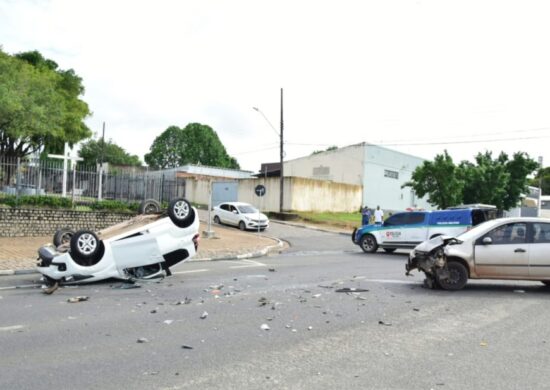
393	335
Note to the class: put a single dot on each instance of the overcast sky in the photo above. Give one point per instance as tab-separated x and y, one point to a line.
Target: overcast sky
417	76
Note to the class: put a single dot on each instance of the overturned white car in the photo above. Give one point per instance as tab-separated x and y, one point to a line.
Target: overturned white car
144	247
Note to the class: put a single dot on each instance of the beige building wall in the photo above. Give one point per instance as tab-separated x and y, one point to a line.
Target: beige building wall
300	194
343	165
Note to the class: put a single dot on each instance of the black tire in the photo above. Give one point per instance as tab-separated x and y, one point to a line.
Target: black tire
86	248
149	206
390	250
62	236
181	212
217	220
458	276
368	243
242	226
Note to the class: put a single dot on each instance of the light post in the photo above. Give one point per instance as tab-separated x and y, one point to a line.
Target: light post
281	152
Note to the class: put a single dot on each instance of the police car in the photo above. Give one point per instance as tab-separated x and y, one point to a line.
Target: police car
408	229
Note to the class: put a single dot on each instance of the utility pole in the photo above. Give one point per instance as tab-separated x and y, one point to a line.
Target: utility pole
99	192
281	153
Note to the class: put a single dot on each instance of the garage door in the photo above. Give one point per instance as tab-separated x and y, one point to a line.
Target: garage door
225	191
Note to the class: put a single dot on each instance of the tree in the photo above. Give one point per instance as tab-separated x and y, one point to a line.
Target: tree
194	144
333	147
440	180
39	105
94	152
543	173
500	182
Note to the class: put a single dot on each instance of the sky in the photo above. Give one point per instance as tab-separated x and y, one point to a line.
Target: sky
415	76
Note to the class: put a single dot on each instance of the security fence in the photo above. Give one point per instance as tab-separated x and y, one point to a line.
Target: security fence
84	183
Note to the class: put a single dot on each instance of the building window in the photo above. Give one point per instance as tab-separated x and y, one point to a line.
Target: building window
321	171
391	174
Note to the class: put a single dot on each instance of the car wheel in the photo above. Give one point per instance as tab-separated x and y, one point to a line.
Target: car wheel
456	278
181	212
242	226
389	250
86	248
217	220
149	206
368	243
62	236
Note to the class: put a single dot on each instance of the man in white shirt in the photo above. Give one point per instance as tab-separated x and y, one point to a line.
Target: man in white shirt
378	216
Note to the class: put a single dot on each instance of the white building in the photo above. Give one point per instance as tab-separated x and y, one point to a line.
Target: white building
379	170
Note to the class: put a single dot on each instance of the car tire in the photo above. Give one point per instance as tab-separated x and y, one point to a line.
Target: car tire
389	250
242	226
217	220
62	236
458	276
149	206
86	248
181	212
368	243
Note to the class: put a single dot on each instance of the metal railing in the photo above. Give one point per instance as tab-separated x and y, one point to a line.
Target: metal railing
46	177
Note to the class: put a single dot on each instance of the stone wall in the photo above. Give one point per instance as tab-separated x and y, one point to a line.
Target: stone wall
23	222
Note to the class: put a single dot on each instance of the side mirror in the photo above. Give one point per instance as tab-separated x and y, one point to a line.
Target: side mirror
235	212
487	240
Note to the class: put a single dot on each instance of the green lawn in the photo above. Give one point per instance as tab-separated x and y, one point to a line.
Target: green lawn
348	220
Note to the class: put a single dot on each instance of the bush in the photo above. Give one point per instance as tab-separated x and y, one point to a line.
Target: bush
55	202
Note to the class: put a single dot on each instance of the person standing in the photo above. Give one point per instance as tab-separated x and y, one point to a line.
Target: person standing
365	213
378	216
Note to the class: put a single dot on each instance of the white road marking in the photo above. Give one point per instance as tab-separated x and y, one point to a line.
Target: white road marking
9	328
22	286
249	264
392	281
189	272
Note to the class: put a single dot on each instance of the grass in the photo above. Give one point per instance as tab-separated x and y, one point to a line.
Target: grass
344	220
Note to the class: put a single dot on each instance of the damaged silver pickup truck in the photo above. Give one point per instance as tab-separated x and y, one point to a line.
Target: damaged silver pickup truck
505	248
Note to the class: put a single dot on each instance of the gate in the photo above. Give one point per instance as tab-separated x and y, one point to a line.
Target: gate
224	191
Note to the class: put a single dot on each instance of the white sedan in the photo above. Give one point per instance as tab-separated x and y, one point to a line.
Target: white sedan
504	248
243	215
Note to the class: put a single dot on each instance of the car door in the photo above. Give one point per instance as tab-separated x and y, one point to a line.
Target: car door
392	230
224	213
506	255
233	215
539	250
416	228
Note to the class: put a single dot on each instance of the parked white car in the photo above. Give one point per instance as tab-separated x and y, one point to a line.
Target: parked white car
504	248
243	215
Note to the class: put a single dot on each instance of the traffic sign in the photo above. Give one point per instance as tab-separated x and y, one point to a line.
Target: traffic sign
260	190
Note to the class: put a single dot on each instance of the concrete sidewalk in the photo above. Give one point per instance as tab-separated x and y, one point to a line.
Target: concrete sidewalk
18	254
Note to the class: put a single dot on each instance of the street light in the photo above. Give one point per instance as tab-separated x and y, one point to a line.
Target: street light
280	134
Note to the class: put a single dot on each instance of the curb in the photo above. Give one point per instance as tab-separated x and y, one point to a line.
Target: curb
298	225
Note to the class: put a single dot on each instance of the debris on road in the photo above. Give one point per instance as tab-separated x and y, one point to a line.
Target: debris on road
168	322
263	301
125	286
204	315
142	340
271	270
186	347
484	344
351	290
384	323
265	327
78	299
519	291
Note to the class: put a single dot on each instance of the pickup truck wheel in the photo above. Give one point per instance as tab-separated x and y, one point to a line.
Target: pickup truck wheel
457	276
390	250
181	213
368	243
